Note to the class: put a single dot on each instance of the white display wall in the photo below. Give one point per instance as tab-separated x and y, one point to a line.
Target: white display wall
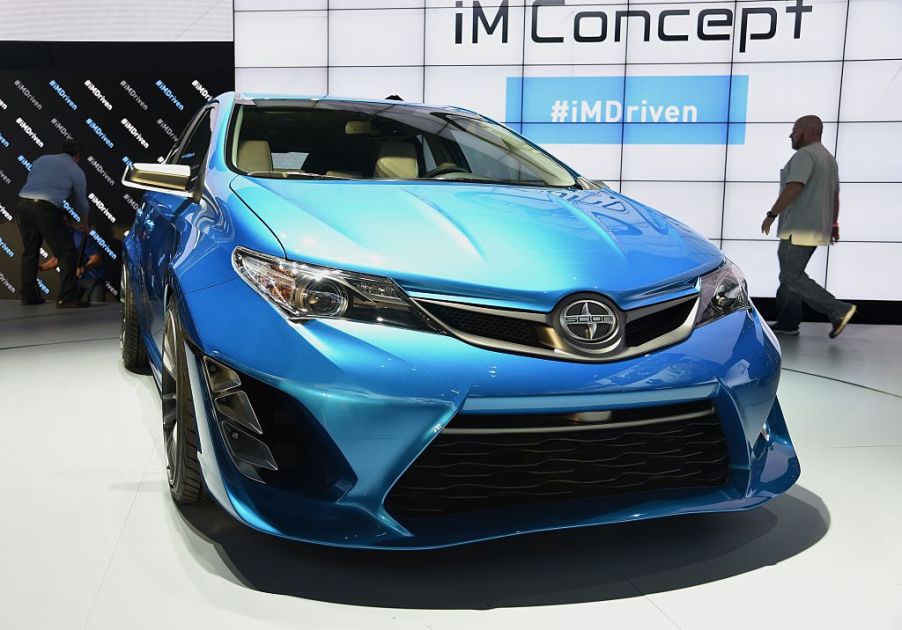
115	21
684	106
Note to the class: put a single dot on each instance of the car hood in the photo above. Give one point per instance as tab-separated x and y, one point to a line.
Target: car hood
516	246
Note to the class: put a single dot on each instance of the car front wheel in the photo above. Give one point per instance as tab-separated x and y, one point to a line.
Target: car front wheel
179	425
134	354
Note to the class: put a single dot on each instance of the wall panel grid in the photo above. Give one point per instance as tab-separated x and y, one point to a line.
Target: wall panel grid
686	106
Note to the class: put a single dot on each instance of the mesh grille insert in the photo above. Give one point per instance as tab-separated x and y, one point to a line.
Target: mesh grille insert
507	329
463	472
652	326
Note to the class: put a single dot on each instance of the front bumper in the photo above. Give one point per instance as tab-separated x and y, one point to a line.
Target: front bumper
380	395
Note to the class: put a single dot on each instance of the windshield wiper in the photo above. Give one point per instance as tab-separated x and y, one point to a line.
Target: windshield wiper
291	175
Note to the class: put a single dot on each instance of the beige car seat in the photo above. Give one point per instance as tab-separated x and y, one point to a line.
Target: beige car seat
397	160
254	155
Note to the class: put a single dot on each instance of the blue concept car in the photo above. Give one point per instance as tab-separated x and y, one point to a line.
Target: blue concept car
391	325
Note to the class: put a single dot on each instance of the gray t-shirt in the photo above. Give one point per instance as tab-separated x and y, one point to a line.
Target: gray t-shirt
809	219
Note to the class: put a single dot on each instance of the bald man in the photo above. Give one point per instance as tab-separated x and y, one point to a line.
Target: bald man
808	209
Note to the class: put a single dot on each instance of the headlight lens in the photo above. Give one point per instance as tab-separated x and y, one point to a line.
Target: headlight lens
323	298
722	292
303	291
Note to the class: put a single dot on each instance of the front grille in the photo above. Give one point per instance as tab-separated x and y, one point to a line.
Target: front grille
508	329
480	462
644	329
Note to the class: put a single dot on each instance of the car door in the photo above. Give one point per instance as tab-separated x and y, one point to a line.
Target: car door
161	213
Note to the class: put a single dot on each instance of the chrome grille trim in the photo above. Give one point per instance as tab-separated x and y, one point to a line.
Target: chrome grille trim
588	426
557	348
532	316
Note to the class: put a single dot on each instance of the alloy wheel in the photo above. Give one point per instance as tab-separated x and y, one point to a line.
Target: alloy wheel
170	396
124	300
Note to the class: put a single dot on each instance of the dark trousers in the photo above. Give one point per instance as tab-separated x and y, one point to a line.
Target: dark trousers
92	290
796	288
40	221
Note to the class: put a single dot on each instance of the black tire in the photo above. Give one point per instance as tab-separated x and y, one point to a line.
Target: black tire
134	354
179	423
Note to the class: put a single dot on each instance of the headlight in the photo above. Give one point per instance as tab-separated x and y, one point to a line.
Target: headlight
302	291
722	292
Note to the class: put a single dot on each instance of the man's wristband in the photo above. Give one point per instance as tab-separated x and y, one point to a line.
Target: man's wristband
772	215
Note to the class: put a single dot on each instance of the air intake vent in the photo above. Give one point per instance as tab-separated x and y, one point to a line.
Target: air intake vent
481	462
262	425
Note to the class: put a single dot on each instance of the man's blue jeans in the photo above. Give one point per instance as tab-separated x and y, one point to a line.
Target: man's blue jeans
796	288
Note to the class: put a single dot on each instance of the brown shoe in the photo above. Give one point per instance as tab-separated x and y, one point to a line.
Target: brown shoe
839	326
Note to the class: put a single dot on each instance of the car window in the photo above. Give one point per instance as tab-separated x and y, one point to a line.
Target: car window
289	161
429	161
494	150
173	152
170	156
352	140
194	150
490	160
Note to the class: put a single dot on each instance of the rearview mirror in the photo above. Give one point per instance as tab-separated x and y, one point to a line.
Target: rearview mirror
167	178
359	128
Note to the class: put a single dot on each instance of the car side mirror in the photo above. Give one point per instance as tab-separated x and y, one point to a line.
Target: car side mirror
166	178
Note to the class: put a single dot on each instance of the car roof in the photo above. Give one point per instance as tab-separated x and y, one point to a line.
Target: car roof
294	100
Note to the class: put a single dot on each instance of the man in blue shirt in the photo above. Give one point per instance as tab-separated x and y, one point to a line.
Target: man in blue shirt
52	180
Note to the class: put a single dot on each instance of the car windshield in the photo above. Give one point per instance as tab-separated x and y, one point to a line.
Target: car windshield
346	140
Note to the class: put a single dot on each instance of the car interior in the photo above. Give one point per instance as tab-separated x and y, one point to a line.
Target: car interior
331	143
372	141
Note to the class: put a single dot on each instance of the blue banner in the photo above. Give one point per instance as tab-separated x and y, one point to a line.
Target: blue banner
629	110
